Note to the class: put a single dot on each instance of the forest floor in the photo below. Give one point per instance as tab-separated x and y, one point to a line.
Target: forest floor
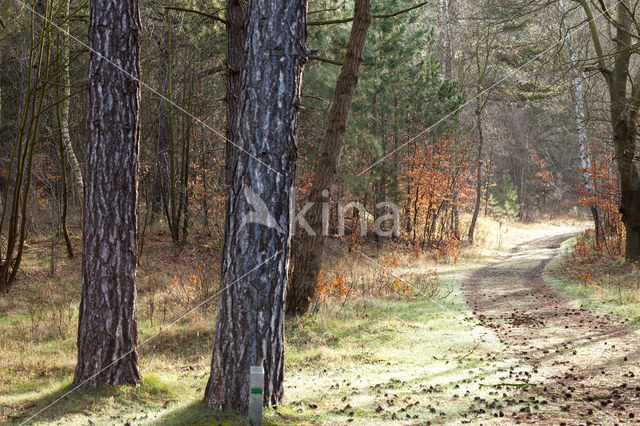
510	335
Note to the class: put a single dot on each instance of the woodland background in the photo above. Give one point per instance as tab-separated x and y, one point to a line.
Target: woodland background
484	121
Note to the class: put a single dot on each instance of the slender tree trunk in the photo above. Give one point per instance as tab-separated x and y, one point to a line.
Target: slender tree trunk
450	53
63	154
309	253
204	154
107	329
160	199
487	180
581	122
186	163
410	181
250	320
69	153
479	164
16	194
523	184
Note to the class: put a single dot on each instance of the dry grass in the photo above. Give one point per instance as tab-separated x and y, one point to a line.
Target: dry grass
38	318
494	238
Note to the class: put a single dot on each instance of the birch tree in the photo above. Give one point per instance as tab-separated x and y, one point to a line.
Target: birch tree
581	119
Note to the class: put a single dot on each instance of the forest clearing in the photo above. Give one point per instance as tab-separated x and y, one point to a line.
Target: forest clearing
319	212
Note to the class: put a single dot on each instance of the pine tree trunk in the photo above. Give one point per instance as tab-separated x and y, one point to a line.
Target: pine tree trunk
309	253
250	319
236	14
107	330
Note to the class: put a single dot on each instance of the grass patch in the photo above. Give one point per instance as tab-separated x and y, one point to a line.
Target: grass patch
602	283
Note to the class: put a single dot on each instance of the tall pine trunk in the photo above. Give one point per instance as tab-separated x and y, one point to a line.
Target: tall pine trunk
250	319
308	258
107	330
236	14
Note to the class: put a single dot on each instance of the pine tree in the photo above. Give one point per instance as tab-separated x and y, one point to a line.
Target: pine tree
107	329
250	320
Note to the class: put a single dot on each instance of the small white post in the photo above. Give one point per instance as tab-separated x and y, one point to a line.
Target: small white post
256	395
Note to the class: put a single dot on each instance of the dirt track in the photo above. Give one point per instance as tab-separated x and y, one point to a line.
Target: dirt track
585	368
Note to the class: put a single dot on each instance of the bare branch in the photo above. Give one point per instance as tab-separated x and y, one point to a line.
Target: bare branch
197	12
375	16
326	60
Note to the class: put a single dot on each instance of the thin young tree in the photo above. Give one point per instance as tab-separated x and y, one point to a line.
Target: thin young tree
16	192
107	329
484	39
581	121
63	109
67	154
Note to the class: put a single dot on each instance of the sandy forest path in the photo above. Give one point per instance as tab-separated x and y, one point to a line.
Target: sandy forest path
585	367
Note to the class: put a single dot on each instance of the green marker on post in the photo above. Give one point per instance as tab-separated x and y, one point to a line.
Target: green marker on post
256	388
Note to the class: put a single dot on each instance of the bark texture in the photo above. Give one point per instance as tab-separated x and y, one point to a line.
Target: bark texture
250	319
107	331
309	253
624	115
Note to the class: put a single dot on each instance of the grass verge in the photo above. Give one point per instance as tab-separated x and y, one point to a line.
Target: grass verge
605	284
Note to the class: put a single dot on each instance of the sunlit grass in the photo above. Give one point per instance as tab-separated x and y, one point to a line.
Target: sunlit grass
613	289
